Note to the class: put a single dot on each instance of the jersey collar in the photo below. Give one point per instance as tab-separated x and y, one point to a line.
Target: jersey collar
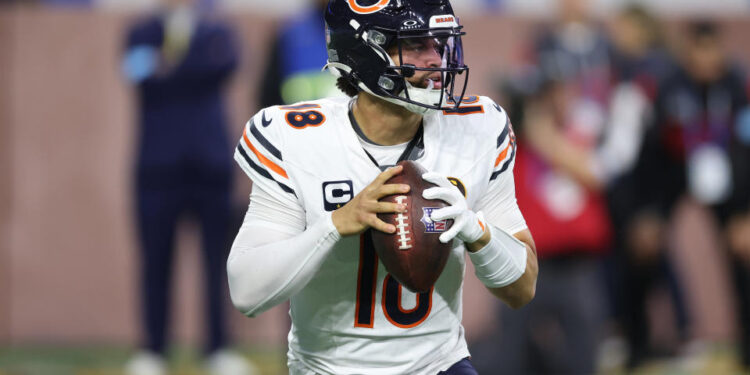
414	149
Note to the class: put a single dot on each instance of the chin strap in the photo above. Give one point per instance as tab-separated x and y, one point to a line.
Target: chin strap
428	95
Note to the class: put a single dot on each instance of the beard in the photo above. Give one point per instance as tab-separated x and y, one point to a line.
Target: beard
424	80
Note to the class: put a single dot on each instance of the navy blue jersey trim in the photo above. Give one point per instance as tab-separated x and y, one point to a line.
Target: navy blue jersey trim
505	165
469	110
262	171
264	142
504	134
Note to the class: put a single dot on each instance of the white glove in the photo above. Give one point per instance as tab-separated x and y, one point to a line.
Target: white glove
467	225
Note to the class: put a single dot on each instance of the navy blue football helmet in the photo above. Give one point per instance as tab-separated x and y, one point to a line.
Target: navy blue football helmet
361	35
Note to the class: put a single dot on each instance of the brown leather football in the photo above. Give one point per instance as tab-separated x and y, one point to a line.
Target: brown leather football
413	255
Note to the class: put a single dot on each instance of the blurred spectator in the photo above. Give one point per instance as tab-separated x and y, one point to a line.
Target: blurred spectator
639	62
557	332
577	48
293	72
179	61
700	146
560	193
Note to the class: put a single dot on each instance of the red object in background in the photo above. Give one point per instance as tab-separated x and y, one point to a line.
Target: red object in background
587	231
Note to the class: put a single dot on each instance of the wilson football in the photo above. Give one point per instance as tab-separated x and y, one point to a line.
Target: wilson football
413	255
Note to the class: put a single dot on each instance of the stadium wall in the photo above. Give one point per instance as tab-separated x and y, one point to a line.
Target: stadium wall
68	260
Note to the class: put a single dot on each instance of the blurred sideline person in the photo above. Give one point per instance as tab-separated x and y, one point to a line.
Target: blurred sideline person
561	195
319	168
699	145
179	62
297	53
639	64
558	332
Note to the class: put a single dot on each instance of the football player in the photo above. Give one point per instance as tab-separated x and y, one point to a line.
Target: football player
319	168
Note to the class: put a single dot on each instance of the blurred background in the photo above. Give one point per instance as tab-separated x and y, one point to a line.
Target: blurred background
633	128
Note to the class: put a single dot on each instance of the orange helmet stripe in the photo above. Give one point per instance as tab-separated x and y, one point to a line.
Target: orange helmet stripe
368	9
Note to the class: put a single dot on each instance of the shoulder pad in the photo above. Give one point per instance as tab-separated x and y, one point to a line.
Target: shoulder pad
302	115
506	140
260	153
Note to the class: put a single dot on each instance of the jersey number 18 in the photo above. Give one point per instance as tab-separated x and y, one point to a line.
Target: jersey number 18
392	290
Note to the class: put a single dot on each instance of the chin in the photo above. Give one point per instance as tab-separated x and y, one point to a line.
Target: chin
424	85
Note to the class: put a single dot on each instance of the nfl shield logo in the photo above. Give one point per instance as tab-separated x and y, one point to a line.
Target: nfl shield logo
432	226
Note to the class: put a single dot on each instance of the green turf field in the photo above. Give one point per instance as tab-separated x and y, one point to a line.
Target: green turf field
104	360
716	359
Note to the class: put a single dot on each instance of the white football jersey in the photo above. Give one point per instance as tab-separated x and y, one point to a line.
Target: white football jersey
352	317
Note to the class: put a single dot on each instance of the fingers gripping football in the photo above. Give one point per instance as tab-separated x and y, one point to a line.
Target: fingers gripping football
467	225
361	212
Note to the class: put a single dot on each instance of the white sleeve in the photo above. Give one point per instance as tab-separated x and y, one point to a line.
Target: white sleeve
274	256
503	260
498	203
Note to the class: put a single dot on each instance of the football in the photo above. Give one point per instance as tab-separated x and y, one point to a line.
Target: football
413	255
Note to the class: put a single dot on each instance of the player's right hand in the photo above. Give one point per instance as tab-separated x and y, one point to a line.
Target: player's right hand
361	212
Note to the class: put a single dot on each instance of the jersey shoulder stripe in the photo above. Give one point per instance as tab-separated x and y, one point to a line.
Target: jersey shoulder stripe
506	144
505	166
503	134
264	141
259	154
267	136
262	171
262	158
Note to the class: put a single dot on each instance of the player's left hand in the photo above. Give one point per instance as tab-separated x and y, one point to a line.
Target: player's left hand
467	225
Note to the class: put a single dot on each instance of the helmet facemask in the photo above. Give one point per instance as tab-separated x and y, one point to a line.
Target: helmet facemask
362	57
370	43
440	87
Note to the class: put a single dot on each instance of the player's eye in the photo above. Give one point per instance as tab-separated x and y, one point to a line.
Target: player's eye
414	45
421	45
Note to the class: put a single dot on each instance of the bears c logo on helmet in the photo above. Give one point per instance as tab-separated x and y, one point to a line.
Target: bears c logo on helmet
368	8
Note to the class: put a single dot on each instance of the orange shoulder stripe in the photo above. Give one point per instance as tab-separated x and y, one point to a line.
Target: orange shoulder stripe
503	154
264	160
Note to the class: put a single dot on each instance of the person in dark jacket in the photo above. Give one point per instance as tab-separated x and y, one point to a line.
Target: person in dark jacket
700	146
640	61
179	63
